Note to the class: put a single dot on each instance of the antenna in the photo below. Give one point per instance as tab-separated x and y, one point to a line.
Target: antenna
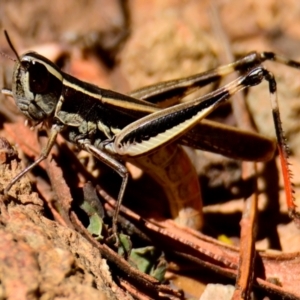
11	47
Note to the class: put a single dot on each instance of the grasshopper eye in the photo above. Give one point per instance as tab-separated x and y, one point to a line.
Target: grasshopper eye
38	78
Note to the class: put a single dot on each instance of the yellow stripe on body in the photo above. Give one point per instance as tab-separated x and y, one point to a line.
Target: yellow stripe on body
31	58
136	149
123	104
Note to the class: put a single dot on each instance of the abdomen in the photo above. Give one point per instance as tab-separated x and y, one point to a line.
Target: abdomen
172	169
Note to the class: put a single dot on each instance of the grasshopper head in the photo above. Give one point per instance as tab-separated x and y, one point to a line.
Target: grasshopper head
37	85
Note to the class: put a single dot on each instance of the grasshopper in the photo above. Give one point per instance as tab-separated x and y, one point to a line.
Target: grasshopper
115	127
